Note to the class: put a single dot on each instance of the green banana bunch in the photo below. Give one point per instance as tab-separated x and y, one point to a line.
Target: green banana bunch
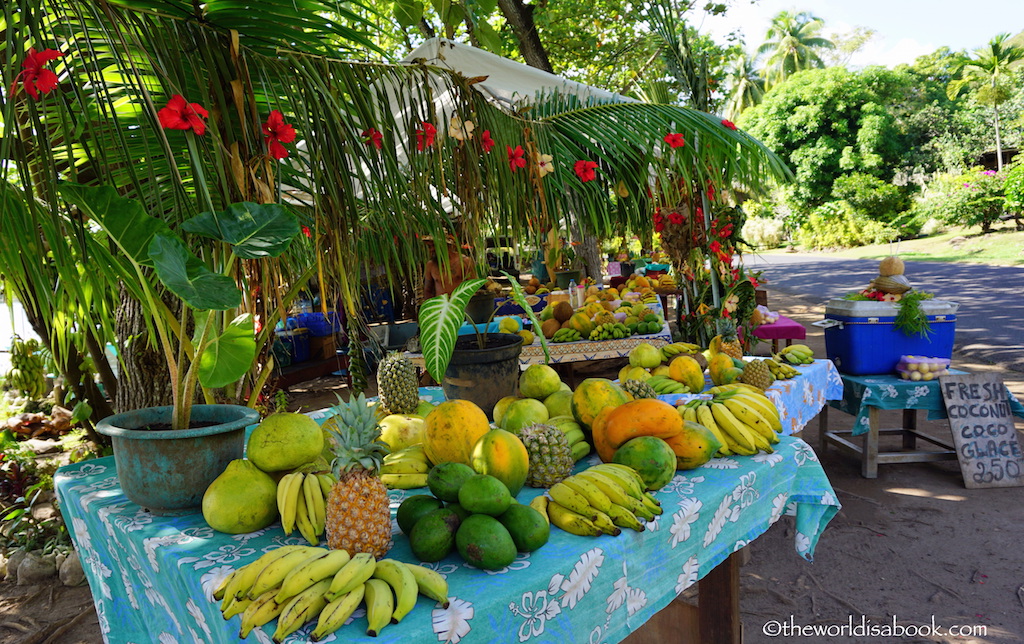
796	354
665	385
610	331
566	335
28	371
573	433
406	469
781	370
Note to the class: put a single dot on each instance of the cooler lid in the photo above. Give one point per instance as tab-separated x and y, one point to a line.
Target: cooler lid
870	308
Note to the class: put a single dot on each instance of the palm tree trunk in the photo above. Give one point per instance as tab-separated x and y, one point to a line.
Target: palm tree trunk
143	381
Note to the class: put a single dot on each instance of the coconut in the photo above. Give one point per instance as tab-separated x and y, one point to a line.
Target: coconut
889	266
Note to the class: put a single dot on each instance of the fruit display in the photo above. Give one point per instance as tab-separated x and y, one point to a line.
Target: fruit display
758	374
405	469
358	514
28	372
795	354
592	396
301	502
781	370
922	368
452	429
727	341
551	456
503	455
739	416
299	584
599	500
725	369
397	384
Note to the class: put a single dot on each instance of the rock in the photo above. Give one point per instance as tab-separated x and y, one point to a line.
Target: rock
41	447
13	561
71	573
59	559
3	567
44	511
956	241
35	569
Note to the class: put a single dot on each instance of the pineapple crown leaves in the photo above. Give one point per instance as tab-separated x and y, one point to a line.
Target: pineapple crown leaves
353	432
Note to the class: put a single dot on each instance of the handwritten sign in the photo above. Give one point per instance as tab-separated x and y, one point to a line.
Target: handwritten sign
986	440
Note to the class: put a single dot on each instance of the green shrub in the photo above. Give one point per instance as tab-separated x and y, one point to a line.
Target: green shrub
1013	190
973	198
836	224
871	197
763	232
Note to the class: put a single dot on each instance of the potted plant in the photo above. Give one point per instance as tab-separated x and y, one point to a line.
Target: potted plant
483	367
167	456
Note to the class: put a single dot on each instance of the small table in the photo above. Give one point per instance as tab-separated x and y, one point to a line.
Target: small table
866	396
782	329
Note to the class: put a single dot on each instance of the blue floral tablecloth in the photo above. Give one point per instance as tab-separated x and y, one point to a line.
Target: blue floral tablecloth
800	399
152	577
891	392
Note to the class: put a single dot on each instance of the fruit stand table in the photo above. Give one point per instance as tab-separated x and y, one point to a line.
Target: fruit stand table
866	396
152	577
781	329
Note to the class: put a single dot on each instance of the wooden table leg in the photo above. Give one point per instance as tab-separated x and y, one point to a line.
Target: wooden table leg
822	428
775	346
909	424
719	603
869	466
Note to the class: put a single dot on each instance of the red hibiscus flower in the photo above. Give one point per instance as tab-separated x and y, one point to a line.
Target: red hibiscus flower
516	157
182	115
660	226
726	231
700	212
729	124
711	191
676	218
675	140
425	136
715	247
657	218
34	77
276	132
307	232
725	257
486	141
585	170
372	136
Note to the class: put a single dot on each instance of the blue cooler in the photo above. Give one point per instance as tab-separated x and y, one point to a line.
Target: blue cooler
861	337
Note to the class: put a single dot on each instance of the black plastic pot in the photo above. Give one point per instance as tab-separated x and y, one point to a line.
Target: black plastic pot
480	308
484	376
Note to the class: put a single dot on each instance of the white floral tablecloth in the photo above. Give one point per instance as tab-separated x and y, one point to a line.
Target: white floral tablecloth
152	577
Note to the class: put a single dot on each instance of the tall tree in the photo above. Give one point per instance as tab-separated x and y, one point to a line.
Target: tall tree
987	75
790	43
744	85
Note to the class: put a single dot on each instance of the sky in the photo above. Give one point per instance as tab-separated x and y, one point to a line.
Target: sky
904	29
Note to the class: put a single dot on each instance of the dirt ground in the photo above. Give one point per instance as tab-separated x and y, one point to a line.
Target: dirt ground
913	545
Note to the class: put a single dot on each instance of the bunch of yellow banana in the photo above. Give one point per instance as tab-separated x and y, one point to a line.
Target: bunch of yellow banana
405	469
297	584
670	351
599	500
302	502
781	370
796	354
740	416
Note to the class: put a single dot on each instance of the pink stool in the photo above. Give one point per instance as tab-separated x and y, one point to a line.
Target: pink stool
782	329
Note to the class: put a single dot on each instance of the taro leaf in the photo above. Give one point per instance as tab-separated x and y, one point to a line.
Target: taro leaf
229	356
123	219
190	279
519	297
488	37
440	319
254	230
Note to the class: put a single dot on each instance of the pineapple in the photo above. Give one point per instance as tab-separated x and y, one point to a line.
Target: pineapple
550	454
397	385
639	389
757	373
729	342
358	510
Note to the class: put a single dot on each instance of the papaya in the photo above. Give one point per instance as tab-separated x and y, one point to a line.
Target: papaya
642	417
452	429
502	455
651	457
694	446
717	366
688	371
581	323
594	394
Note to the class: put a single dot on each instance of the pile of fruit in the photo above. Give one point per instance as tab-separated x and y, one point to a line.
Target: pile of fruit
741	417
795	354
599	500
28	372
299	584
605	314
922	368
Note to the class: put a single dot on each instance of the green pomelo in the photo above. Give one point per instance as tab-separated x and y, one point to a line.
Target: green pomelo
284	441
433	536
539	381
528	528
559	403
415	508
523	412
485	543
242	499
445	479
501	407
484	494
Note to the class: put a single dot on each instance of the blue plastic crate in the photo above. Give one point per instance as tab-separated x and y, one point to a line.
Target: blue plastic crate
868	342
320	325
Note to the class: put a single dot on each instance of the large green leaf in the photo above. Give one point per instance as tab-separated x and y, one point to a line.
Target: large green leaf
190	279
229	356
408	13
123	219
440	319
255	230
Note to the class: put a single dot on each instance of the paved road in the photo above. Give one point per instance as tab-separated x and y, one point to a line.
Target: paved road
990	321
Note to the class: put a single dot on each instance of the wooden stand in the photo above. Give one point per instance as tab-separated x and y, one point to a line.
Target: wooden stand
308	370
869	453
716	618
